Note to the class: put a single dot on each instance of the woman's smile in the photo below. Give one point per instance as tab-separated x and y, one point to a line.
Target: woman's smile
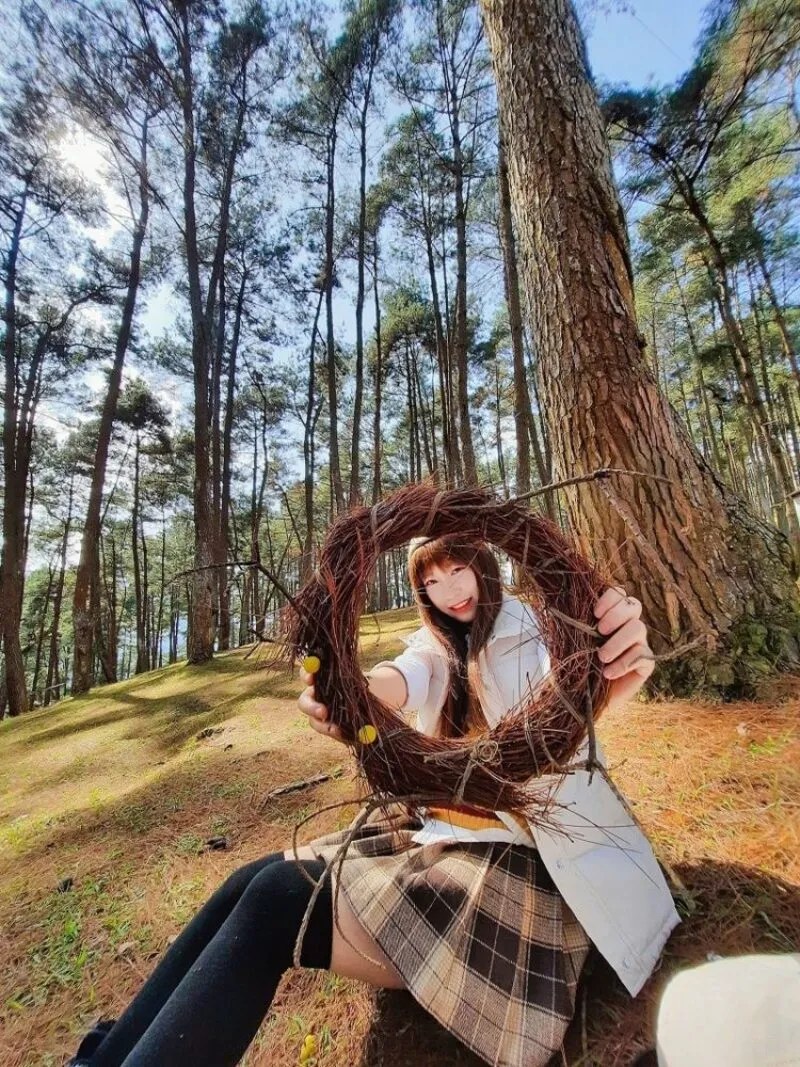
462	605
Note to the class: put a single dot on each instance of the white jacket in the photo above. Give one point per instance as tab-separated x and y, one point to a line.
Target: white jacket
600	861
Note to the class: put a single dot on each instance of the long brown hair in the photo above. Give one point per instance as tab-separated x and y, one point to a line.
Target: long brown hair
461	714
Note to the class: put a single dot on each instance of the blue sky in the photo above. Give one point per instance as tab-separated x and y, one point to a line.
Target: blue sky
653	40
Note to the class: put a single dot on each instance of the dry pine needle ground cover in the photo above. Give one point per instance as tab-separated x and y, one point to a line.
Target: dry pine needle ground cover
119	794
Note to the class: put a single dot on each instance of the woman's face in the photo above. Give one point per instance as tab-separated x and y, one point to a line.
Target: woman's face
453	589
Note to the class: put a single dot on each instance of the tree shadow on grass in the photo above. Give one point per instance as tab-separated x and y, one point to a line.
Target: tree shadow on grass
735	910
168	719
188	797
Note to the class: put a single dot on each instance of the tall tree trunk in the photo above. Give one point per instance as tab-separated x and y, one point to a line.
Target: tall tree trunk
702	396
498	428
309	427
108	651
37	663
174	621
449	441
337	487
456	474
220	579
780	319
86	595
716	564
761	343
413	433
542	453
464	425
523	416
718	271
700	390
250	589
791	421
355	450
423	417
224	620
376	425
55	642
157	657
12	570
138	590
147	602
200	642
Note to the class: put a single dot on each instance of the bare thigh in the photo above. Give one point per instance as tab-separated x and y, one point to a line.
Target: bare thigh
346	961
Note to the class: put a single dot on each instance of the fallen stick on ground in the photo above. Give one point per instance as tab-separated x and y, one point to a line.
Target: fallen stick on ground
301	784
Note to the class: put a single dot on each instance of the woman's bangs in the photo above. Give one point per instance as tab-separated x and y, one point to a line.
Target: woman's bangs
437	552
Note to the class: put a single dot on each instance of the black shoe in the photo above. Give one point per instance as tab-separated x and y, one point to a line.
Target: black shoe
91	1043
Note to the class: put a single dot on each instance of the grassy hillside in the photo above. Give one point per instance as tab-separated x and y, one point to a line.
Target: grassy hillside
106	805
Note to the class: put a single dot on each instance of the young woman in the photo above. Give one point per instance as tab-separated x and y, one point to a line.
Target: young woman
485	919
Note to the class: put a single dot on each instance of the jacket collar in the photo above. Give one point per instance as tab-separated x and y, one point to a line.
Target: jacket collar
514	619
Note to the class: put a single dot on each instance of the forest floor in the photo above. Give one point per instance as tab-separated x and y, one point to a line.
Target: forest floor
118	793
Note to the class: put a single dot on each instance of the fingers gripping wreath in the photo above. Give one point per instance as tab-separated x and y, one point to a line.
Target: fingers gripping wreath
540	734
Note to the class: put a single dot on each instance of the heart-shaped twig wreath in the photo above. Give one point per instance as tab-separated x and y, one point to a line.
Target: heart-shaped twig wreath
537	737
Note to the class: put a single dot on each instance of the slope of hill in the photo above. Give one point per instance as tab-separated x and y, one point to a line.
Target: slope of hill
107	804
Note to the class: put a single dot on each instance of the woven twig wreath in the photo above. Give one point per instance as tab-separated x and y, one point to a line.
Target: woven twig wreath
537	737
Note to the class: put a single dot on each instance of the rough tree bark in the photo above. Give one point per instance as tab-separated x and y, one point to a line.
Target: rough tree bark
715	569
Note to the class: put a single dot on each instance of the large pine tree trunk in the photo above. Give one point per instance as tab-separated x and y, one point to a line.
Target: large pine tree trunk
523	416
37	664
218	353
138	588
460	333
15	470
309	448
450	454
337	485
709	562
86	596
200	629
377	451
55	636
223	545
355	445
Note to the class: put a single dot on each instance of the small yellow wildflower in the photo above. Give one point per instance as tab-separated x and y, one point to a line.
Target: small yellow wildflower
309	1049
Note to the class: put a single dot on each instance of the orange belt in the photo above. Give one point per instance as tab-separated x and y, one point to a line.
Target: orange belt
474	818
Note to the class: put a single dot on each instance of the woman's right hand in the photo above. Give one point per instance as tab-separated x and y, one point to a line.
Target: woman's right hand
317	713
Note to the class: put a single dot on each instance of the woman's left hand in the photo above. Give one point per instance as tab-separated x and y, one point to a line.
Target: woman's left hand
626	656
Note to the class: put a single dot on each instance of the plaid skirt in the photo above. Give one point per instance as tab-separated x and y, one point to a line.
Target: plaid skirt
478	931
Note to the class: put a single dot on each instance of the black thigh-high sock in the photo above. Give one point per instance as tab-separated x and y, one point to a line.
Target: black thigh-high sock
216	1010
175	962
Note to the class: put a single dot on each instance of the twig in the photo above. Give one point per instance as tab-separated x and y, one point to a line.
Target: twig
242	563
601	472
315	780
